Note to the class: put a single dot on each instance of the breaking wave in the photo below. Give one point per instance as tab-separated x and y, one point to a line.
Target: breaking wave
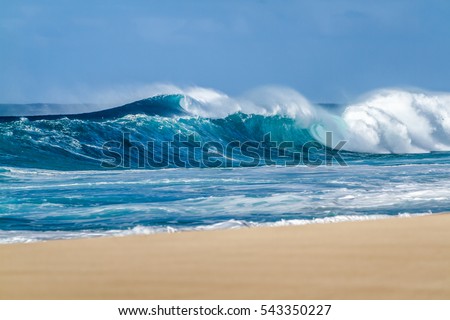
384	122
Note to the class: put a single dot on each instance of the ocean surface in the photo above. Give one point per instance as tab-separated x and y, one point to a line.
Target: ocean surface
202	160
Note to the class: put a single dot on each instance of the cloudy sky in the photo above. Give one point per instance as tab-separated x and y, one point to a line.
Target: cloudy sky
329	50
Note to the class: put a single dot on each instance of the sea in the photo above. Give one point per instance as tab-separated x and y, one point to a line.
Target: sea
203	160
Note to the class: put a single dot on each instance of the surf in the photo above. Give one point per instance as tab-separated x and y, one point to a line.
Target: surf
396	122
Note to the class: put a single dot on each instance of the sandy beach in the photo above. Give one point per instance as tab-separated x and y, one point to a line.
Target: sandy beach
398	258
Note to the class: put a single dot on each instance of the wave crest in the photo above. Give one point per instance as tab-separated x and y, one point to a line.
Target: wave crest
396	121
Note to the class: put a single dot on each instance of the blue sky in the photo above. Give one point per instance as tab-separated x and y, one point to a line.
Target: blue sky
329	50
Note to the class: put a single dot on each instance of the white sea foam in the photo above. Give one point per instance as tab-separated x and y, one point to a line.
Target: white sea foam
396	121
266	101
384	121
8	237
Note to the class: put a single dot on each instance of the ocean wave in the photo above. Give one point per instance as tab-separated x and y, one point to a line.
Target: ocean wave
83	144
384	122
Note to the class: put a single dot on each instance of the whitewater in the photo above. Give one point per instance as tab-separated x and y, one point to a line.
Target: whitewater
82	174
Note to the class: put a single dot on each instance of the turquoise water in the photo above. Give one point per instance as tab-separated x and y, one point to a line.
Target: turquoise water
58	180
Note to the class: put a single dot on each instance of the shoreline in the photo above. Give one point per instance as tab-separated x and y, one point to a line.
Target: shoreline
220	226
373	259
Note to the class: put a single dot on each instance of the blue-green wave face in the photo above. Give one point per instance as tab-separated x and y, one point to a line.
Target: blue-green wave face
73	144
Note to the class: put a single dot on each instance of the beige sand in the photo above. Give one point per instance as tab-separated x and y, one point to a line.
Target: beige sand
401	258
